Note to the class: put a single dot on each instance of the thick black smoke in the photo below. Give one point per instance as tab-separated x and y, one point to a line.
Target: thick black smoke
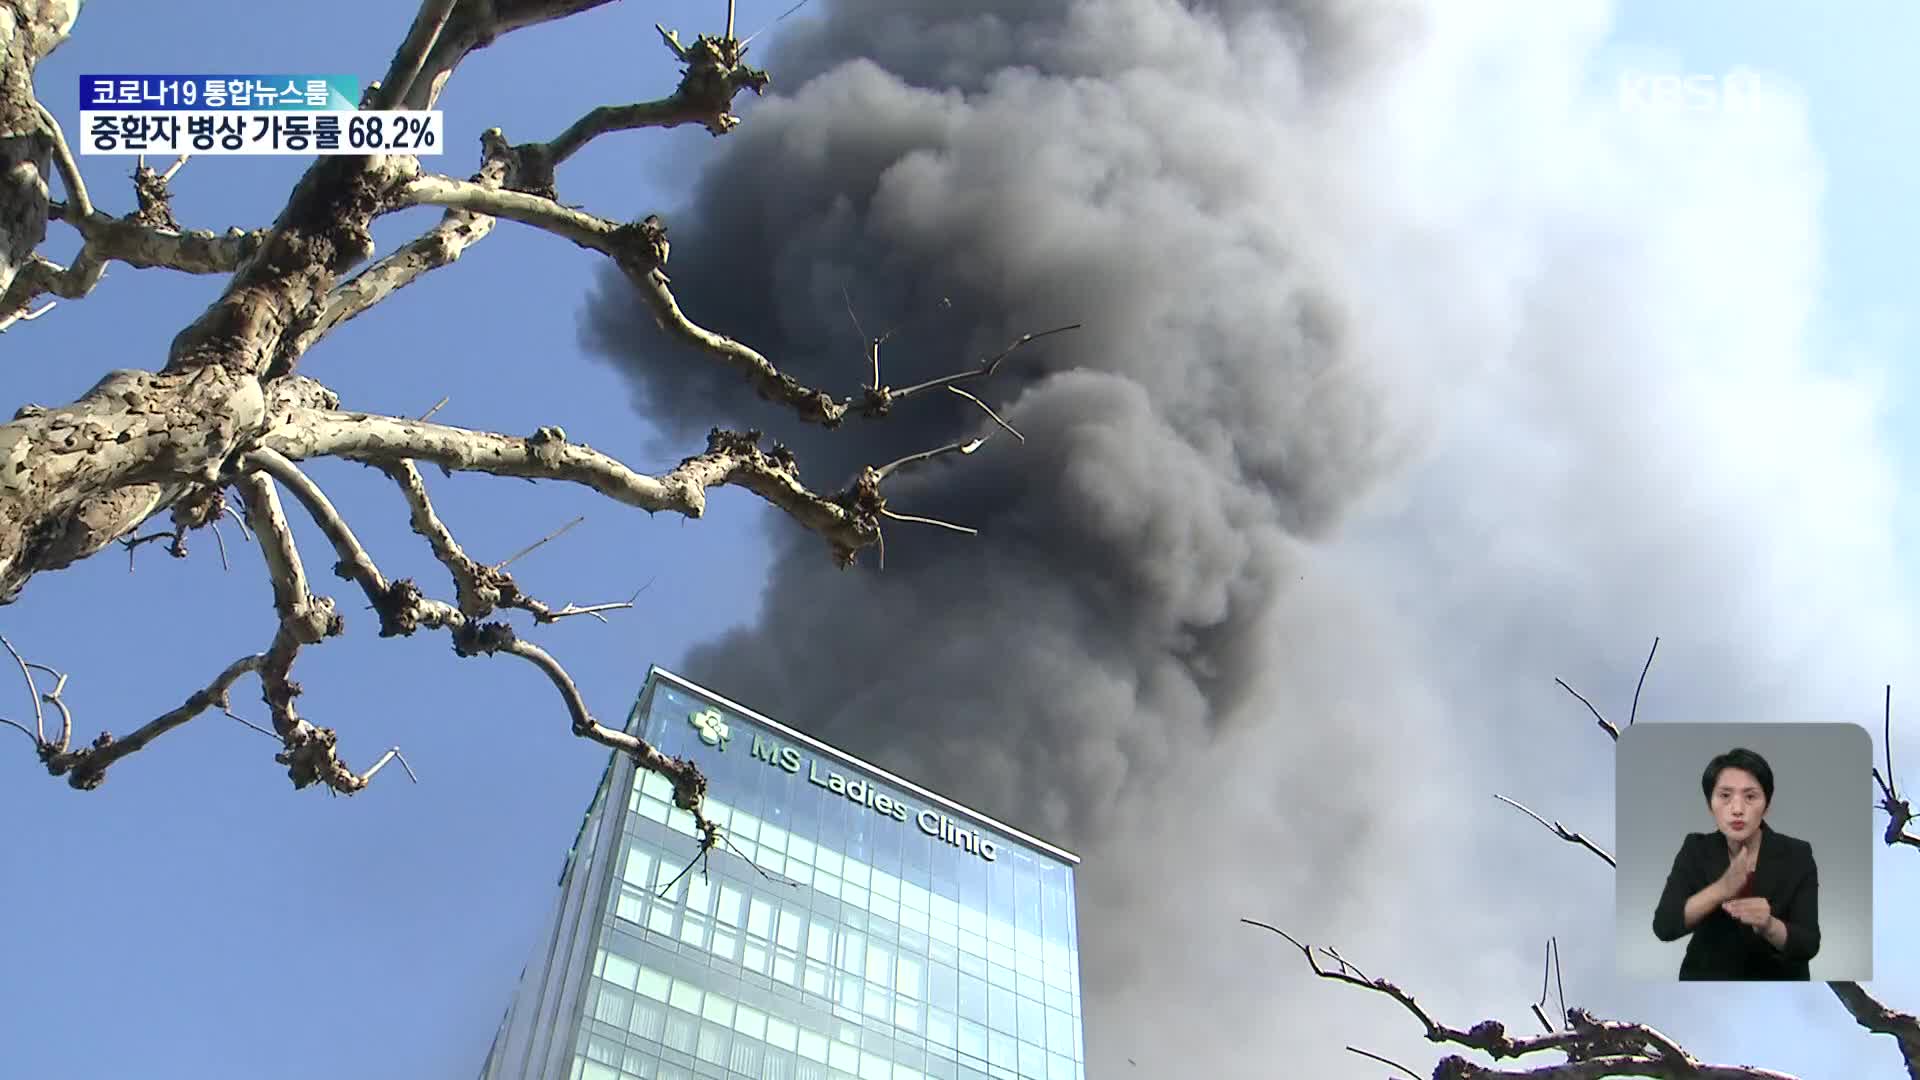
1164	649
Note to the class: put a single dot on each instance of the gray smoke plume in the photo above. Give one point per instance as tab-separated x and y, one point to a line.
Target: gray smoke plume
1395	398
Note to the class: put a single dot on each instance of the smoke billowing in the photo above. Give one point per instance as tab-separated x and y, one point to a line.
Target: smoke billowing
1410	378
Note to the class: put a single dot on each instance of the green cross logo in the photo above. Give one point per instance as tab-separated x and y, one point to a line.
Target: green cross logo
711	726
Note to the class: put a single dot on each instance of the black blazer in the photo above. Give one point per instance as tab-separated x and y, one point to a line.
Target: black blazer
1723	948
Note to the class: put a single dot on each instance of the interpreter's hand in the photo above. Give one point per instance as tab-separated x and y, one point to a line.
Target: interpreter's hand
1738	873
1753	911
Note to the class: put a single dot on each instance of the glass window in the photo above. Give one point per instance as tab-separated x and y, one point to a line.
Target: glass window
1000	1050
1033	1022
660	919
683	1032
820	939
1059	1067
726	944
649	1019
699	894
652	983
857	872
943	984
760	918
639	867
693	930
879	1003
782	1034
911	976
848	991
973	998
843	1056
754	957
973	1038
940	1028
800	850
619	970
632	905
773	838
612	1007
906	1014
1032	1061
745	826
750	1022
813	1046
875	1067
786	967
879	965
791	922
815	978
1001	1015
852	953
715	1046
828	861
685	995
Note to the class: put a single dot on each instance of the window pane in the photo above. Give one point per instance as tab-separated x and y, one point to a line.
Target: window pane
620	971
790	924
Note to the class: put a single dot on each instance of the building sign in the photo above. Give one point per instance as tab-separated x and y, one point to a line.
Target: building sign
711	726
855	789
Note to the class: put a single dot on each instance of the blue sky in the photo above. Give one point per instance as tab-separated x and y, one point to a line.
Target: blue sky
196	918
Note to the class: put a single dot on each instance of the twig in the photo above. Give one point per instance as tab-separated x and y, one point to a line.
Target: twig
33	691
930	521
783	18
175	167
554	535
231	715
392	754
132	542
215	526
987	367
1605	725
245	533
1551	965
989	411
1384	1061
1560	830
26	316
962	448
1643	681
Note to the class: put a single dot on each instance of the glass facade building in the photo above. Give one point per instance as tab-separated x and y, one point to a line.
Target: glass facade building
852	926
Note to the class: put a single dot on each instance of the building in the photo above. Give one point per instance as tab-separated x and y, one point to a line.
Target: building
853	927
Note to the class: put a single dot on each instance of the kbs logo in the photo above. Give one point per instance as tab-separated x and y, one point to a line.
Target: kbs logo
1740	91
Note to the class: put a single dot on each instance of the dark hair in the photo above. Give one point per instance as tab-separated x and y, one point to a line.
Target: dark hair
1738	758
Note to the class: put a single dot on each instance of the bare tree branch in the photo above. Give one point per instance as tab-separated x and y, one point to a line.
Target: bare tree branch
412	55
1593	1048
1561	831
86	768
847	521
1880	1020
640	250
